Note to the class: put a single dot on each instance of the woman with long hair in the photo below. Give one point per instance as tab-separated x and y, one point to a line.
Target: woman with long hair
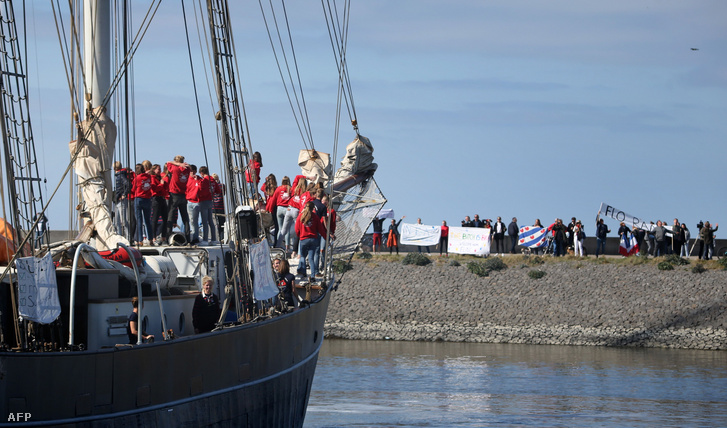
298	199
252	174
269	188
159	195
280	202
286	283
309	229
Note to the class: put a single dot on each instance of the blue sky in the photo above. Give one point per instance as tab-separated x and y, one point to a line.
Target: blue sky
500	108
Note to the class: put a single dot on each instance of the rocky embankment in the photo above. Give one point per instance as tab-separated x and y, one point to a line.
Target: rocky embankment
575	303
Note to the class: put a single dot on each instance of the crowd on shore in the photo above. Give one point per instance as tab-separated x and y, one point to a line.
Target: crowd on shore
657	240
296	216
558	239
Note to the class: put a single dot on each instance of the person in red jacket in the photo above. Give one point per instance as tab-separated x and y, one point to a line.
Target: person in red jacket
207	188
298	199
159	195
309	229
268	188
192	196
280	202
252	174
218	206
177	193
142	202
444	239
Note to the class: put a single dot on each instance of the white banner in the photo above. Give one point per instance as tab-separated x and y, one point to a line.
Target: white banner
37	289
469	240
419	234
620	216
263	285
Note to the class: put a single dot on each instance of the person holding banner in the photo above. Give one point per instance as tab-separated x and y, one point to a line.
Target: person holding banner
419	248
392	239
444	239
378	224
660	237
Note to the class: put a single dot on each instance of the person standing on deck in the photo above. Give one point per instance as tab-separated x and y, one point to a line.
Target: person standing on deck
192	196
206	310
177	193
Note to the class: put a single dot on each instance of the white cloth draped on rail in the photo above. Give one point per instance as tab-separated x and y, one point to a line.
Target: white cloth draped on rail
37	289
263	284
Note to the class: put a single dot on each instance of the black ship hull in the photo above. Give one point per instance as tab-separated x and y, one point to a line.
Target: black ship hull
253	375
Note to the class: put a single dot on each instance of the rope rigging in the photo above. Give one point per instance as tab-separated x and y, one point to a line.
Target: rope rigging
299	109
338	34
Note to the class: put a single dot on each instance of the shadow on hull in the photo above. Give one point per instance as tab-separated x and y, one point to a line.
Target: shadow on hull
257	374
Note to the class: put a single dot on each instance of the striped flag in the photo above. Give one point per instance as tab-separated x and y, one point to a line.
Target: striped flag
628	245
532	236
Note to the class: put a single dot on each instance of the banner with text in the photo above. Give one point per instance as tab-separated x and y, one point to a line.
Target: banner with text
419	234
620	216
37	289
469	240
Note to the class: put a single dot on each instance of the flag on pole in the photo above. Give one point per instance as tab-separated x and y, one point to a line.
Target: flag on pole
628	246
532	237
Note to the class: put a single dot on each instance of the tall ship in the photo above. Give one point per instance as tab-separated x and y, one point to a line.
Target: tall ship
67	354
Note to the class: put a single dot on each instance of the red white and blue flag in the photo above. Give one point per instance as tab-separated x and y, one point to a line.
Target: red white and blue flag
532	236
628	246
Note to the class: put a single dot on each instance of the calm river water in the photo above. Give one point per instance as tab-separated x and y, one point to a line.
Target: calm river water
403	384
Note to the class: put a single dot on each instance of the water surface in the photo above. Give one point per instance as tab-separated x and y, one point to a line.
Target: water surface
418	384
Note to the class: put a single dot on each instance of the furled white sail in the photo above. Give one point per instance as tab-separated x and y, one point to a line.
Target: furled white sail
93	167
315	164
359	159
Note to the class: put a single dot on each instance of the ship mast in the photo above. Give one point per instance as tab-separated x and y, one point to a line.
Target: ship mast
96	50
93	149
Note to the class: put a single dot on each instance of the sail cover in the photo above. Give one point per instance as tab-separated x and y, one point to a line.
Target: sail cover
359	159
315	164
93	167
